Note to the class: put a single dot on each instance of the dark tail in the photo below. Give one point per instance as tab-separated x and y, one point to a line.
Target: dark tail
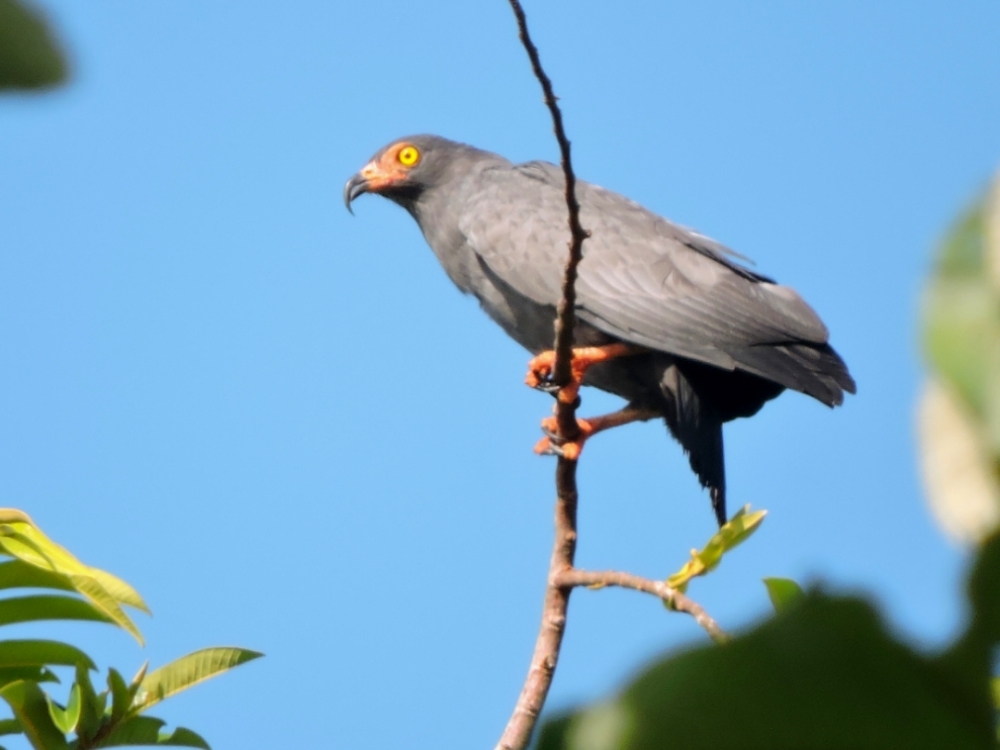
697	425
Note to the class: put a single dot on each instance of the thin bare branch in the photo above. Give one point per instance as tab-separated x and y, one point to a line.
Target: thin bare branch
517	734
671	596
566	317
563	578
519	729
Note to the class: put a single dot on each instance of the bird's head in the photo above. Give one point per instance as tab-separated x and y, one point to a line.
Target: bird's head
400	171
405	169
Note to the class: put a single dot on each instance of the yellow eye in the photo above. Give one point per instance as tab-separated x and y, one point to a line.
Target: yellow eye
408	156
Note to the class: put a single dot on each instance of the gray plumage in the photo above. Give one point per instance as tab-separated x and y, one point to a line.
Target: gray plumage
722	338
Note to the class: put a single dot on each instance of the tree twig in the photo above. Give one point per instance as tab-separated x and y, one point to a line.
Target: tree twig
563	577
672	597
522	722
566	315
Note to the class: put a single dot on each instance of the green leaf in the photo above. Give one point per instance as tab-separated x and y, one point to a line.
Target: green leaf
19	574
187	671
29	56
21	538
66	718
25	541
17	546
105	603
737	530
184	738
45	607
119	590
961	316
121	696
13	515
135	730
92	706
21	653
136	684
553	733
31	709
783	592
35	674
823	674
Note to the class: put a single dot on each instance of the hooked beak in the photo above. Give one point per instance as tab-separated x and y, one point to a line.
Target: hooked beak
357	185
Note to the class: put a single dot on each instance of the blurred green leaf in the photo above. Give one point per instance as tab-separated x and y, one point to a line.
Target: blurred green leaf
34	674
29	56
825	673
31	709
955	461
30	653
66	718
9	726
552	734
984	591
187	671
782	591
962	316
733	533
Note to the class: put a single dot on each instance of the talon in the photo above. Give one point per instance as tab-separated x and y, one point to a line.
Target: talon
570	449
545	447
540	368
553	445
540	372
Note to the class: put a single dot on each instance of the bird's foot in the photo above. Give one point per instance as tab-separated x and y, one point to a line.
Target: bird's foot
540	368
553	445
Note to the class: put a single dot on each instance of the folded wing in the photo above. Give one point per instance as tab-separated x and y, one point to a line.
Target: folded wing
648	281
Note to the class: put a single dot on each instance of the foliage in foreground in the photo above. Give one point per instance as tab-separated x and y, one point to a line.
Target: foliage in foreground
825	672
89	719
29	56
960	407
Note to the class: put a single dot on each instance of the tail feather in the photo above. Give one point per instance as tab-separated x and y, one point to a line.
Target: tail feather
814	369
697	426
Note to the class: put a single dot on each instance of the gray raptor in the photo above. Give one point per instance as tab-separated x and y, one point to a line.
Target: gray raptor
667	318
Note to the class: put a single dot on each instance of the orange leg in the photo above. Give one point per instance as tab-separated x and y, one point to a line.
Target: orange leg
540	367
588	427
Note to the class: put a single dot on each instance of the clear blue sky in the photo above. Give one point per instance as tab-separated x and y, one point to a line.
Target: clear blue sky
286	428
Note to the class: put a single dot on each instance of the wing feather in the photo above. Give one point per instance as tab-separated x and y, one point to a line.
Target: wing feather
646	280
